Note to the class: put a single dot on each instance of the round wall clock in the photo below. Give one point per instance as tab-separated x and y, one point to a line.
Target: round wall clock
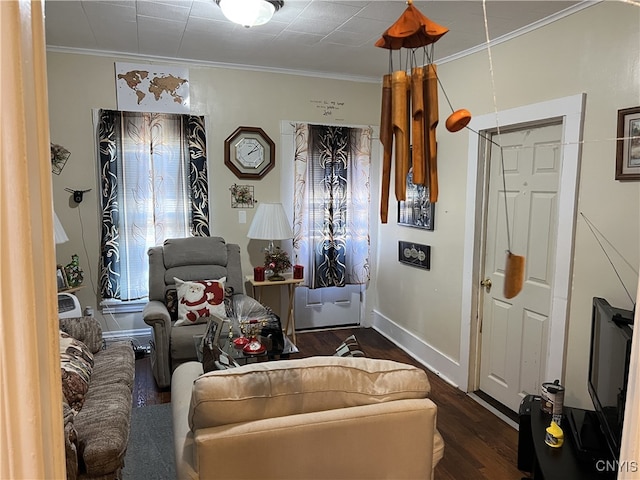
249	153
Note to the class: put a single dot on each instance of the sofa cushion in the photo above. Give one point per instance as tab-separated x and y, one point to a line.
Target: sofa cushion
115	364
86	329
199	300
287	387
76	364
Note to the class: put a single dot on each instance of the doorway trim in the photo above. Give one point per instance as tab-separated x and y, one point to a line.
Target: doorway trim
570	110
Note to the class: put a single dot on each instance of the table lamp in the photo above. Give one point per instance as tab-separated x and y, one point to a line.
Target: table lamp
270	223
59	235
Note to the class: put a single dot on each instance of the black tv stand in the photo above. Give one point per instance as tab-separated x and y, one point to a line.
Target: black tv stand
585	429
583	455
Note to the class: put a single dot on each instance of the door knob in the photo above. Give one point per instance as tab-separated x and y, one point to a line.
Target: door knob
486	283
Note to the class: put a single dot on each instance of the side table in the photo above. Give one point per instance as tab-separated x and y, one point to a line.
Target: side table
288	282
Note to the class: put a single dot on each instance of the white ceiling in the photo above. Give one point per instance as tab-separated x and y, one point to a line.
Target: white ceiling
333	38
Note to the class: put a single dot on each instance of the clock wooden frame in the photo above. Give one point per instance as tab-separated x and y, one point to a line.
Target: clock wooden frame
235	164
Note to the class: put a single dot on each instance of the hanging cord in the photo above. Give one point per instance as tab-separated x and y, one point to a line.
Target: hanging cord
594	230
504	188
495	108
504	181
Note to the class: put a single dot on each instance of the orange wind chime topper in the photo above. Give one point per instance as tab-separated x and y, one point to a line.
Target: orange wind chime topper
409	117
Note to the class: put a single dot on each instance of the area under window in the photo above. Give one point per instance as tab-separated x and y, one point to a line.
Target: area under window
153	186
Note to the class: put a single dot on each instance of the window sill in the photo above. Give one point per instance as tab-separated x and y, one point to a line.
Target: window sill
116	306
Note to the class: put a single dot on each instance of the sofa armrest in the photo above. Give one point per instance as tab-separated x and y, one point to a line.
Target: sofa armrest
86	329
181	386
156	315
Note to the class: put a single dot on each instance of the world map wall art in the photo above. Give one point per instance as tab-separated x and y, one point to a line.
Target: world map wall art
152	88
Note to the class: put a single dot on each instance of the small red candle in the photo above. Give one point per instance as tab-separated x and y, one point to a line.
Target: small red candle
298	271
258	274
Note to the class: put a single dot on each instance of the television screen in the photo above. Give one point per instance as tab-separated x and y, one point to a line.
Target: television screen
609	368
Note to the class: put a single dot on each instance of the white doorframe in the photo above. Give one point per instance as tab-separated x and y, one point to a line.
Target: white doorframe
570	109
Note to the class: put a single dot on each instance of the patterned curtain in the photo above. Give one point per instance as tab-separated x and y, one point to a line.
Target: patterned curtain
331	204
153	187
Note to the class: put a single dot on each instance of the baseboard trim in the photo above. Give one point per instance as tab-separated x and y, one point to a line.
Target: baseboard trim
436	361
139	336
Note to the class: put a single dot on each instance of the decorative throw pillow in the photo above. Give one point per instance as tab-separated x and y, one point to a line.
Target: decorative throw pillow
171	301
76	365
349	348
199	300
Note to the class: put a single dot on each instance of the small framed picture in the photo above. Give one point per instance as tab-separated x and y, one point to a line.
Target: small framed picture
61	278
416	211
242	196
628	144
414	254
212	334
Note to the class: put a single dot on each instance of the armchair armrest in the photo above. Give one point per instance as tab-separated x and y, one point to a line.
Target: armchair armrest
156	315
156	311
86	329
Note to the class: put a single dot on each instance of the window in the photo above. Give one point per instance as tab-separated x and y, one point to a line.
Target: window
153	186
331	204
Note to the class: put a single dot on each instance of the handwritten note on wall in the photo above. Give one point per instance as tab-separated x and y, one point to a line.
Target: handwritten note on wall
328	108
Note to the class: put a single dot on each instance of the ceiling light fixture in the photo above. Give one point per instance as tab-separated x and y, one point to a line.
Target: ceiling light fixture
249	13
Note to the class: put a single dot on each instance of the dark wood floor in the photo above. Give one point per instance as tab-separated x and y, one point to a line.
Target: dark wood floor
478	445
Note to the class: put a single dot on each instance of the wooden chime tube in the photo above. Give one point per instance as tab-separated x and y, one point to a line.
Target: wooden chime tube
399	107
386	138
431	96
418	152
513	275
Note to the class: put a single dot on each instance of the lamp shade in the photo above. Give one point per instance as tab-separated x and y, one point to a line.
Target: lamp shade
249	13
270	223
59	235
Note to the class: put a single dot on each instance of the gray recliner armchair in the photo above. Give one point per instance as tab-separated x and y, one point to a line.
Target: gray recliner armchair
193	258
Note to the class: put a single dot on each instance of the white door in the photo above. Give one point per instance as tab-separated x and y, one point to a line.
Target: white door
327	307
514	332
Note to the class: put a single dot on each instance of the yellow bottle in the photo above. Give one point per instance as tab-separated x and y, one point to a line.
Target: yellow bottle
554	436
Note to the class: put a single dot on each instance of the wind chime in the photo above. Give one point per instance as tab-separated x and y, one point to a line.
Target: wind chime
410	107
409	117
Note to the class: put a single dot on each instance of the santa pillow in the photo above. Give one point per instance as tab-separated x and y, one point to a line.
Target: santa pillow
199	300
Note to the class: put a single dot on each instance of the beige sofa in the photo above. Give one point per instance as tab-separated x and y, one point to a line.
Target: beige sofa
314	418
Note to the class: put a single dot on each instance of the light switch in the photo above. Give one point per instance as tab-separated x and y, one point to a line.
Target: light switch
242	216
